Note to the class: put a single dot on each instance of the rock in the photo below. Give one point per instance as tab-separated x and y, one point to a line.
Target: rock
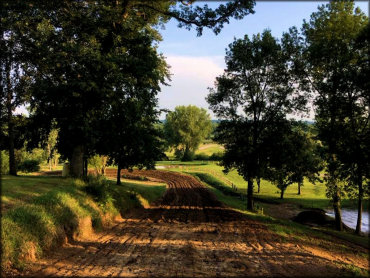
313	217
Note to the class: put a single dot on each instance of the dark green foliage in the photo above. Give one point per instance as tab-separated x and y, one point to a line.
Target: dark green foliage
187	155
294	156
253	98
336	63
213	157
98	187
216	156
201	156
29	165
86	59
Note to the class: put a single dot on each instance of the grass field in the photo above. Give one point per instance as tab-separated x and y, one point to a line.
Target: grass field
39	212
206	148
287	229
312	195
209	149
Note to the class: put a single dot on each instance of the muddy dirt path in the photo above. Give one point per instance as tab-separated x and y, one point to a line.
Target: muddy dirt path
190	233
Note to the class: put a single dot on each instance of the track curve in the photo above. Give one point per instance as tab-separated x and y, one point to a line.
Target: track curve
188	232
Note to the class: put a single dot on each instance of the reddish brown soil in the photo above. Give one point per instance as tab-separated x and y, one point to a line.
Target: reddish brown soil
190	233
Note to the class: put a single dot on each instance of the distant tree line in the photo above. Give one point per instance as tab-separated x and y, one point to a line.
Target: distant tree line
268	80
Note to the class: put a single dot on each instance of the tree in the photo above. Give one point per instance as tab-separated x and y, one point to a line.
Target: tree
77	50
253	98
51	151
353	151
294	157
99	162
186	127
13	84
341	113
139	142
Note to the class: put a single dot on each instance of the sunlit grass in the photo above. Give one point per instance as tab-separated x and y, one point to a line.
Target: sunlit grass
40	211
209	149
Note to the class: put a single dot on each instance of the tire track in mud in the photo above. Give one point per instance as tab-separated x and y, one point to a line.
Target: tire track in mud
188	232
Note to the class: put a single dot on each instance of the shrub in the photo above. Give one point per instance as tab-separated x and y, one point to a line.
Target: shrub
4	162
30	165
98	188
36	154
188	156
216	156
201	156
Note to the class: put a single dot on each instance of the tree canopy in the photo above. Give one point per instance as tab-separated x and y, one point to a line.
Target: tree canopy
335	66
253	98
84	56
185	128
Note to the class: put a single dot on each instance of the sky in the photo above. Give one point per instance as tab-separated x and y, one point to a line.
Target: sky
196	61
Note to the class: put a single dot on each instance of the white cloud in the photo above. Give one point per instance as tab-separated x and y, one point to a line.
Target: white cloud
190	80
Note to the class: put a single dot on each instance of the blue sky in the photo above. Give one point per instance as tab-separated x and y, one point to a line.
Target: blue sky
196	61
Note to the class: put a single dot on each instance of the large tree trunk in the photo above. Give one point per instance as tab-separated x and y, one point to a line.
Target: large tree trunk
77	162
259	184
337	211
119	174
299	187
250	204
9	106
359	216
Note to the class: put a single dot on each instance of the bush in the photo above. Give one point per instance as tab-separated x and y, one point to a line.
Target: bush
201	156
29	165
188	156
4	162
36	154
216	156
97	186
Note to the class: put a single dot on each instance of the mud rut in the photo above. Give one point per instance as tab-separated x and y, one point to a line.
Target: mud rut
187	233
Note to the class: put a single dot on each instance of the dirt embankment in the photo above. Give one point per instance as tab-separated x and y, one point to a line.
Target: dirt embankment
190	233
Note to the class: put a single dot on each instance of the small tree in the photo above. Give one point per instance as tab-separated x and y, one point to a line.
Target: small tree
99	162
185	128
51	151
294	158
136	140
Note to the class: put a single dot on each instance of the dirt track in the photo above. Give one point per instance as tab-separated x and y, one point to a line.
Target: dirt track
190	233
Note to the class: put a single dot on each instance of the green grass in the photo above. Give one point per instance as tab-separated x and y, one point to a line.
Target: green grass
42	211
288	230
20	190
312	195
183	163
209	149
